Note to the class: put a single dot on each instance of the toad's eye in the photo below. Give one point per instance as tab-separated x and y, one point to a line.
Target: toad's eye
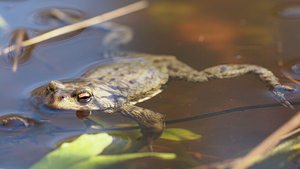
84	97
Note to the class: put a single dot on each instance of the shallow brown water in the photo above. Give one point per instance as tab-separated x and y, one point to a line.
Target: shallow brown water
232	115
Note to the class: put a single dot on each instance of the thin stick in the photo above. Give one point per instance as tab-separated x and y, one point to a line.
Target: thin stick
292	133
269	143
80	25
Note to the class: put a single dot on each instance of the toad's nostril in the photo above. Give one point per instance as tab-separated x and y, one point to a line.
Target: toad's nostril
62	97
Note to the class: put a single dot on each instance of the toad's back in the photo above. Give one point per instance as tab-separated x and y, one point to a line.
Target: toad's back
135	78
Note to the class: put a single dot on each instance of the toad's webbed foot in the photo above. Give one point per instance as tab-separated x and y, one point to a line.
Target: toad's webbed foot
278	92
151	123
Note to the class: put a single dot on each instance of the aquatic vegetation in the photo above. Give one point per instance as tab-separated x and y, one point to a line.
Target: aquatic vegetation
84	153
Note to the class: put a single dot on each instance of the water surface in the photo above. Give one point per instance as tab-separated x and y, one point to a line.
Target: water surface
241	112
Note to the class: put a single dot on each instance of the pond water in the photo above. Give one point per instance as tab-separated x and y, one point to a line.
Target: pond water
231	115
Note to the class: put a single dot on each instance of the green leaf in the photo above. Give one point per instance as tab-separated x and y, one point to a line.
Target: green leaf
179	134
106	160
84	153
82	148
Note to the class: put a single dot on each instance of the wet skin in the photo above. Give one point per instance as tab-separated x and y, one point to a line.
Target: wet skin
121	82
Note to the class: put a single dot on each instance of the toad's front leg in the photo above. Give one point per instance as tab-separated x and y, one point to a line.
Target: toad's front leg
152	123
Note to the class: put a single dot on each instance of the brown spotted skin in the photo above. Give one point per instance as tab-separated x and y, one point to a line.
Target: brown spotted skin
121	82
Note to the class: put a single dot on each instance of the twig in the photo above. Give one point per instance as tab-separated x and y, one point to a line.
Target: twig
80	25
269	143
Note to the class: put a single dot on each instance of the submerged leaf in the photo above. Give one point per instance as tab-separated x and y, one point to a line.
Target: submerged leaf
84	153
179	134
84	147
106	160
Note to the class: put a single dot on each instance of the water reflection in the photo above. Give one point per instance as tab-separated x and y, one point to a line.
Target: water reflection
292	69
296	68
201	33
15	122
288	10
21	54
58	16
83	114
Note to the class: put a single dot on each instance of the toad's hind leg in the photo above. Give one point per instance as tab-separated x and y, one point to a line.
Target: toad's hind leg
152	123
178	69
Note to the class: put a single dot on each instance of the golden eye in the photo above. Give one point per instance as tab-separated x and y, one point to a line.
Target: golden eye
84	97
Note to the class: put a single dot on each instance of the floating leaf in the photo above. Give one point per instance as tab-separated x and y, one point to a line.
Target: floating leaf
68	154
106	160
84	153
179	134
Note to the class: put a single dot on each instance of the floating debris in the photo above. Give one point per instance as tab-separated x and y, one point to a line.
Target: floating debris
14	122
80	25
20	54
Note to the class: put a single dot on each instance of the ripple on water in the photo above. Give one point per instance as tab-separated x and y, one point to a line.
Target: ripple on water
296	68
292	69
13	122
25	52
58	16
288	11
